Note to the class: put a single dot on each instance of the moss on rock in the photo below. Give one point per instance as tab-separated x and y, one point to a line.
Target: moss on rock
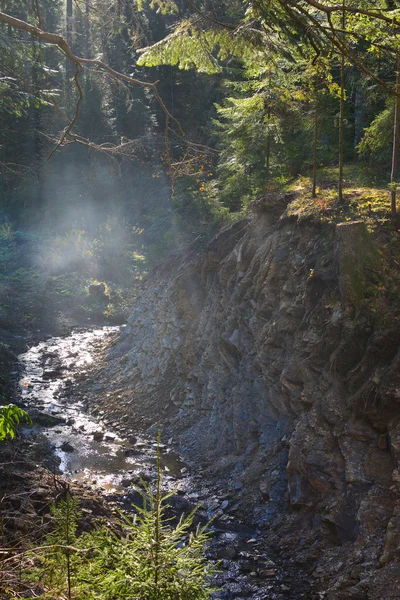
356	254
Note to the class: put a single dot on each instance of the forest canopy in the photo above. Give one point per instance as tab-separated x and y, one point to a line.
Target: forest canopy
222	100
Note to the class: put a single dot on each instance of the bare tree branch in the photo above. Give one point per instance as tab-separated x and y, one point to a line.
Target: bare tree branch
61	42
337	42
350	9
71	125
39	14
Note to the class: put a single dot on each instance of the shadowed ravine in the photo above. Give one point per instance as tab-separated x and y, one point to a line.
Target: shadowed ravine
282	401
87	451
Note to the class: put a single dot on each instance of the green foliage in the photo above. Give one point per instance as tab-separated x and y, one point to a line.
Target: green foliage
248	43
62	562
263	130
244	129
196	213
270	66
190	47
7	232
72	251
10	417
111	252
163	6
376	142
152	560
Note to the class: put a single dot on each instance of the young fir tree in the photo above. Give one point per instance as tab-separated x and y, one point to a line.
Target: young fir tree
62	561
150	560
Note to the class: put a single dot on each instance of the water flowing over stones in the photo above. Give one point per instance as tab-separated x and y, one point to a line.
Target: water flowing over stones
86	448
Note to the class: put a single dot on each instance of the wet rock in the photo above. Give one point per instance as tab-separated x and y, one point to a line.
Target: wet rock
246	566
81	376
267	573
229	552
130	452
127	482
53	373
98	435
67	447
46	420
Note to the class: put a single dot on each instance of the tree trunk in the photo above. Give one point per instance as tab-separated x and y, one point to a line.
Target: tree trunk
341	118
68	65
268	159
36	116
358	115
87	29
314	187
396	131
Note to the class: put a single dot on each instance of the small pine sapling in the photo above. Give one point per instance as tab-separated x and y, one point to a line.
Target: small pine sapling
61	560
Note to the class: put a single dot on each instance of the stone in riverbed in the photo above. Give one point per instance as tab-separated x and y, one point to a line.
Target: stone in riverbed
46	420
98	436
229	552
267	573
67	447
130	452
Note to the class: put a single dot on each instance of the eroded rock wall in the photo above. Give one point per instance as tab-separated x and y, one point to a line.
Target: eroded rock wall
258	357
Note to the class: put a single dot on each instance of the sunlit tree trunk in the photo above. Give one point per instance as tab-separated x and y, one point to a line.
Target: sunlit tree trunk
396	131
68	65
87	28
358	115
268	159
314	187
341	117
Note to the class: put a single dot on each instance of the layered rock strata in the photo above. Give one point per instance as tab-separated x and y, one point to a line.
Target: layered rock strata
261	357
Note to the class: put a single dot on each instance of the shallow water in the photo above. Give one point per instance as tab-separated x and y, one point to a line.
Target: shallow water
86	450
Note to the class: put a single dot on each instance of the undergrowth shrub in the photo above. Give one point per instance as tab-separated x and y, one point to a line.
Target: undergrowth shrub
7	232
10	418
150	560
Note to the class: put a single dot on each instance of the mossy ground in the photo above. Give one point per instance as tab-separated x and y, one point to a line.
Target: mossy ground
368	199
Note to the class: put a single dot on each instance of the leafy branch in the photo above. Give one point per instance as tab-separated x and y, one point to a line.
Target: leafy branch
10	417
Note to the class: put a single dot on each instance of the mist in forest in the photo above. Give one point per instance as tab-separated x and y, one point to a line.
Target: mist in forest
94	212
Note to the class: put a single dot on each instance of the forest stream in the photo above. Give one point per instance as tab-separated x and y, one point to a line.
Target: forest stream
86	451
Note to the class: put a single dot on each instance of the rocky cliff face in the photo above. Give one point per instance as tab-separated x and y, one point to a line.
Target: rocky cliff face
261	358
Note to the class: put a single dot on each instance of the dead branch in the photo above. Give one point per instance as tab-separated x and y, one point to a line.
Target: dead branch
350	9
39	14
39	549
58	40
71	125
80	63
335	40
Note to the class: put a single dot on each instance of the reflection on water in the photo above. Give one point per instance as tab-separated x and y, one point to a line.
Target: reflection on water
91	454
86	450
